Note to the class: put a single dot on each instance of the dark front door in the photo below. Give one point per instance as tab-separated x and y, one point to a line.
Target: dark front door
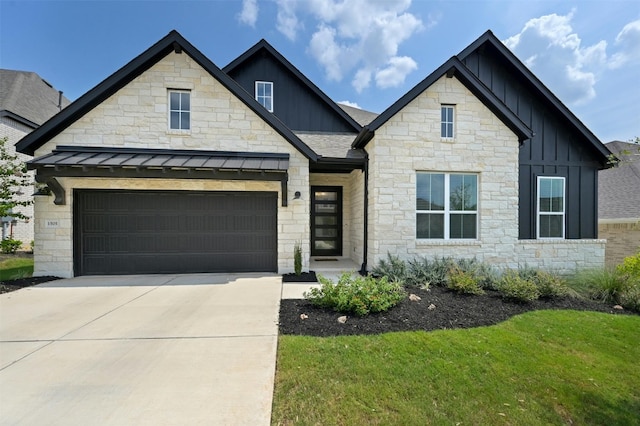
326	221
146	232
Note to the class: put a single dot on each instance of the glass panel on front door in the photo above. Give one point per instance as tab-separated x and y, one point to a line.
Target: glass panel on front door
326	221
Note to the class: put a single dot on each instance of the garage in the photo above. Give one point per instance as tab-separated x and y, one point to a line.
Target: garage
148	232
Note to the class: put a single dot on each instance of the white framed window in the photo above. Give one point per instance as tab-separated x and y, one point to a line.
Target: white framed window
551	207
179	110
264	94
447	114
446	206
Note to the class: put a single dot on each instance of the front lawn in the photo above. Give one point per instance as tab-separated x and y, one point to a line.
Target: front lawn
12	267
541	367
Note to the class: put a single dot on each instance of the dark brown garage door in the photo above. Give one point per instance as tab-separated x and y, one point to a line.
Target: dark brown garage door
152	232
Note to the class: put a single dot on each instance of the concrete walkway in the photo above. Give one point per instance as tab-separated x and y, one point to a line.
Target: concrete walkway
140	350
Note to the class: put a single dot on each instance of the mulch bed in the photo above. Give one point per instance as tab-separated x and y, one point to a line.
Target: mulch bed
451	311
304	277
12	285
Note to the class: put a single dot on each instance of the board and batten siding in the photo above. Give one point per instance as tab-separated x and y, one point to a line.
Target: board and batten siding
555	150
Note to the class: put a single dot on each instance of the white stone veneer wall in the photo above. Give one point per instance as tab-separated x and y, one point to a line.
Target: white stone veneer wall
136	117
23	229
410	142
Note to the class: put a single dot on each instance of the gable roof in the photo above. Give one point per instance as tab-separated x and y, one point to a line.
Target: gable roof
170	43
453	67
363	117
27	98
263	45
488	38
619	187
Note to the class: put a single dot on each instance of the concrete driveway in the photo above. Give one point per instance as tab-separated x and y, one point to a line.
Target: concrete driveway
135	350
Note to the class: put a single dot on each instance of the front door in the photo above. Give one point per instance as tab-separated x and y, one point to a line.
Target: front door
326	221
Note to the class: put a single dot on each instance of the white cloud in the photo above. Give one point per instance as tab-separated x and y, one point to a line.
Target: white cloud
287	20
249	13
548	44
628	41
394	74
360	35
349	103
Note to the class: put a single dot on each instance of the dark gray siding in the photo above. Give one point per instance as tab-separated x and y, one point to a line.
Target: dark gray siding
294	103
557	149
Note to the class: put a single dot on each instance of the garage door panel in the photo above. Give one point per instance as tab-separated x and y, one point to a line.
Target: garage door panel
129	232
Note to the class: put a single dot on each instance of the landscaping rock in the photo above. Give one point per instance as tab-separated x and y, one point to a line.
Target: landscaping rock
414	297
431	307
618	307
304	316
342	319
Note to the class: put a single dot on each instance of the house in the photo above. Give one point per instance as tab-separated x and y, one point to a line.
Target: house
172	164
619	203
26	101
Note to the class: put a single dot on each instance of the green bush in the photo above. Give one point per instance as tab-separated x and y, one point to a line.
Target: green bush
549	285
356	294
394	269
10	246
297	259
630	268
604	284
514	287
463	281
630	298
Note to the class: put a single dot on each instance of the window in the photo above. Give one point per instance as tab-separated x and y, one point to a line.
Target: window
264	94
446	121
446	206
179	110
550	207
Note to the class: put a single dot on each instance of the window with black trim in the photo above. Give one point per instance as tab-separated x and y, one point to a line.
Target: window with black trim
551	207
446	206
447	113
179	110
264	94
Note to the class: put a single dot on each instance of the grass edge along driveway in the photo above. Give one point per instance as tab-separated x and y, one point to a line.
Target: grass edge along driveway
15	268
542	367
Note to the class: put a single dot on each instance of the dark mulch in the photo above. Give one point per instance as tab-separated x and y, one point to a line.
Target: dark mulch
451	311
12	285
304	277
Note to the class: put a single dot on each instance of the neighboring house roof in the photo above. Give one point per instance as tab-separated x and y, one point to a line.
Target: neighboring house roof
264	46
361	116
27	98
171	42
619	186
488	38
453	67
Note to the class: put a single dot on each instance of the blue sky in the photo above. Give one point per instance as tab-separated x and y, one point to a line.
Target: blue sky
366	52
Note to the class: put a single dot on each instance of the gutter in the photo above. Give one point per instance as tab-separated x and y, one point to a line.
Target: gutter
365	245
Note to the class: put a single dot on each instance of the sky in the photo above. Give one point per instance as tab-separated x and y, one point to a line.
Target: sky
366	53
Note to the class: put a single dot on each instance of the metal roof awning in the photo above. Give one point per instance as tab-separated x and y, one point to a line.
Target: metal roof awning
73	161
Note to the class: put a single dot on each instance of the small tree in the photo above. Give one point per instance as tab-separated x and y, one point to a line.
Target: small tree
13	180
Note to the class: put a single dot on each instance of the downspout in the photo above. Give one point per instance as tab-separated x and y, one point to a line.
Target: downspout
365	245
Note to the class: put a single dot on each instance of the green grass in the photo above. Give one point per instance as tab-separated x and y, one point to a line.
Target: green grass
542	367
11	269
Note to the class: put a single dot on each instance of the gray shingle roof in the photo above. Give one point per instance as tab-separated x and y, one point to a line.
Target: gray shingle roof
361	116
28	96
334	145
619	187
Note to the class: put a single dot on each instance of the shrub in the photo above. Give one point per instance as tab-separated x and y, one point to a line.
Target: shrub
514	287
394	269
463	281
356	294
297	259
630	298
549	285
424	273
604	284
630	268
10	246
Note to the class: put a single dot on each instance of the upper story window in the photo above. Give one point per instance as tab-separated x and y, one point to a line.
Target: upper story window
446	206
179	110
551	207
264	94
447	121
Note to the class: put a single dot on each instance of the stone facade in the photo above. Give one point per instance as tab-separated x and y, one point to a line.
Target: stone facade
136	117
22	229
623	239
410	142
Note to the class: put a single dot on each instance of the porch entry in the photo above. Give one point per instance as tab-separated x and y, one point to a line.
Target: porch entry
326	221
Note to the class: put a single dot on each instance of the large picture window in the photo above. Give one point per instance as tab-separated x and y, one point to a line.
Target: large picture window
446	206
179	110
551	207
